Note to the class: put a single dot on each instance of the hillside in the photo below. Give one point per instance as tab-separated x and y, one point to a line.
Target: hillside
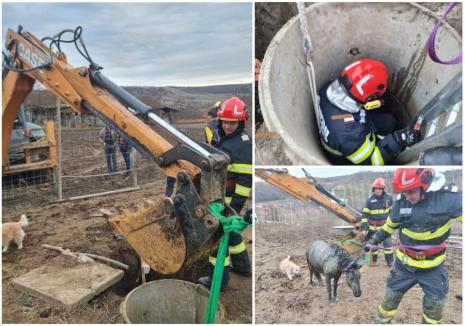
190	101
217	89
355	188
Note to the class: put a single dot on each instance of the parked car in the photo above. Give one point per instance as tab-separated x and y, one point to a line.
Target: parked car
23	132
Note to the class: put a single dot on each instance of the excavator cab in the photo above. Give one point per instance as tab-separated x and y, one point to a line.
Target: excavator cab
168	233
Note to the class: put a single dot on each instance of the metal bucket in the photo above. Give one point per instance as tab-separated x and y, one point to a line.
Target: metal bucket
168	302
395	33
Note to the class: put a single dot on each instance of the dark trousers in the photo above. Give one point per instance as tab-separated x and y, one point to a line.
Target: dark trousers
126	152
170	182
238	252
240	260
111	158
433	281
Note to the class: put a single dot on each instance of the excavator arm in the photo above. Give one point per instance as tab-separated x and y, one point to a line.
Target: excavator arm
164	242
308	189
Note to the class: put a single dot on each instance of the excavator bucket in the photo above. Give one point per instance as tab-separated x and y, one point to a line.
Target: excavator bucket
170	233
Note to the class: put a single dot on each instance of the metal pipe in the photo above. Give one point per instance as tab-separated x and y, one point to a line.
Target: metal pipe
135	104
183	138
59	150
120	93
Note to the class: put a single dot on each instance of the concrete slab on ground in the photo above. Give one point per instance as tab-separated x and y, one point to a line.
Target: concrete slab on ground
65	281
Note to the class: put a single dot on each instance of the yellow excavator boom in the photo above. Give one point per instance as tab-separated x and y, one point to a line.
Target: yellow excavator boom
307	189
164	242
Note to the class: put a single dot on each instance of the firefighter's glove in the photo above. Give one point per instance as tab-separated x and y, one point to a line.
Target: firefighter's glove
407	137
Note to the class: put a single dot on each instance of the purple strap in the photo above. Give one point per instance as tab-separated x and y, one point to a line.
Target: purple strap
419	247
354	260
432	40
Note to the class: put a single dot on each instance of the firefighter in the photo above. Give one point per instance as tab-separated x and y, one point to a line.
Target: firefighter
353	129
211	129
423	218
375	213
237	144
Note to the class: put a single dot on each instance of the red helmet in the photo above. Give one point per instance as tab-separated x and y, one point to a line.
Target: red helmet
365	79
411	178
379	183
233	109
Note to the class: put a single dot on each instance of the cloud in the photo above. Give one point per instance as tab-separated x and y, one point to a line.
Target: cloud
151	44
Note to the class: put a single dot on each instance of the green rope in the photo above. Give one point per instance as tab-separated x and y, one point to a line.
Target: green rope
230	224
359	245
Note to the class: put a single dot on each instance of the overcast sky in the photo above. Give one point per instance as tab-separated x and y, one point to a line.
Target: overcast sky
150	44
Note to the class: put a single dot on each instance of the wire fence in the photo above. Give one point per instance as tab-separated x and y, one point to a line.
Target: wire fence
289	212
82	170
85	169
28	189
80	167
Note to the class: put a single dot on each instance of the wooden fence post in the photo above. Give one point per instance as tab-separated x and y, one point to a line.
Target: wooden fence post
59	180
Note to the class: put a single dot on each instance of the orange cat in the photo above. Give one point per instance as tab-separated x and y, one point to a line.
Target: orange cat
13	231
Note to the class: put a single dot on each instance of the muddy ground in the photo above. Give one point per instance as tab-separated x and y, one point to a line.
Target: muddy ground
71	225
281	301
77	226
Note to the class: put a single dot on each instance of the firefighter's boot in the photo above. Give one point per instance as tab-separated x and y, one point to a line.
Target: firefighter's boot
207	280
432	310
388	308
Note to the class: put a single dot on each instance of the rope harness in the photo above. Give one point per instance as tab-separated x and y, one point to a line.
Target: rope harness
308	51
362	258
230	224
356	260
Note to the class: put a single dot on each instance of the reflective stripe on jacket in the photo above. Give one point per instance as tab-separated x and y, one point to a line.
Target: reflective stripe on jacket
425	223
239	148
350	136
376	211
